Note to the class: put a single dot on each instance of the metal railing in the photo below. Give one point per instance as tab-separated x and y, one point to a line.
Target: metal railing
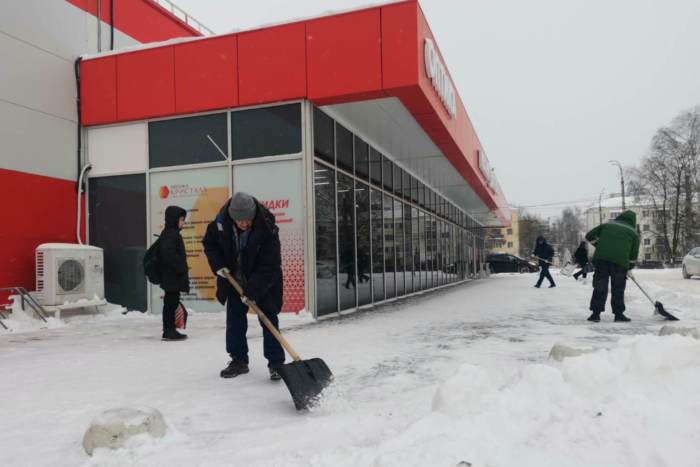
183	16
26	298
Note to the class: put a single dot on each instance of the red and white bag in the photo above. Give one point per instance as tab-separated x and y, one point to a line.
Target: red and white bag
181	316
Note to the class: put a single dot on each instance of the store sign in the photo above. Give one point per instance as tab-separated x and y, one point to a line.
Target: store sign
486	170
438	76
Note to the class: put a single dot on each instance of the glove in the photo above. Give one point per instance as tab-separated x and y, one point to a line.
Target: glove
630	274
245	300
222	272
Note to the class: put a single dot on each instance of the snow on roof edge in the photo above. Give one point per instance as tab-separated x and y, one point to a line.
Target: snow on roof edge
180	40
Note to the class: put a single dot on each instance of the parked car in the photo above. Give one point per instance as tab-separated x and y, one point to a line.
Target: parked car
503	262
691	263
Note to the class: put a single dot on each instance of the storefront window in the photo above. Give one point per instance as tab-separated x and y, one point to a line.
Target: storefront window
118	224
389	246
343	148
406	185
362	216
346	242
375	167
399	242
377	246
388	173
326	265
423	250
397	180
202	193
408	251
324	139
267	131
415	249
361	159
184	141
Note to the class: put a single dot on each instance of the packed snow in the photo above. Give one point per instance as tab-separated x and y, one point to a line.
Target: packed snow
457	377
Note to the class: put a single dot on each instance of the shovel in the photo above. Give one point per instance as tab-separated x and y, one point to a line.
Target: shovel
658	306
305	379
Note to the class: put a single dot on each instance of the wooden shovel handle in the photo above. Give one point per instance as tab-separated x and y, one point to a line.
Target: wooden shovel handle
265	320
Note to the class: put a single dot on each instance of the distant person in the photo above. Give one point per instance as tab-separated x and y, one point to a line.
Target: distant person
581	258
544	253
243	241
173	269
616	250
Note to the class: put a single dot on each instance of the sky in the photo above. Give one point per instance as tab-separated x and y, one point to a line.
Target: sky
555	89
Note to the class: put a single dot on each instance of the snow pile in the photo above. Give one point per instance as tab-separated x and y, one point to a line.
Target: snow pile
633	405
19	320
115	428
561	351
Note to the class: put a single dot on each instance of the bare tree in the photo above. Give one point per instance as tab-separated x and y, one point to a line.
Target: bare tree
530	227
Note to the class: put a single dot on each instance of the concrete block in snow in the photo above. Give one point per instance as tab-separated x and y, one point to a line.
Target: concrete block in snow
682	331
560	351
112	428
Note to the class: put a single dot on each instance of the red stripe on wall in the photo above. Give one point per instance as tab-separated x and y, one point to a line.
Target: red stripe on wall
37	210
142	20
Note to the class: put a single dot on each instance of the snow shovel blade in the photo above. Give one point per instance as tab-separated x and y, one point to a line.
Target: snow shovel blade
660	310
305	379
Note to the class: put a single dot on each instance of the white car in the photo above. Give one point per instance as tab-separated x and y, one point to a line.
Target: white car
691	263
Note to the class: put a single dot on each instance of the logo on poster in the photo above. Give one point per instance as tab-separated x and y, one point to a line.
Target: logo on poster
164	192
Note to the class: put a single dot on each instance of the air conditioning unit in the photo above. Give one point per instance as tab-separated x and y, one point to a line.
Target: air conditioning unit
66	273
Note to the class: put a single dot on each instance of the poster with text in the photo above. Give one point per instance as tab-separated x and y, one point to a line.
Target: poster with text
202	193
277	185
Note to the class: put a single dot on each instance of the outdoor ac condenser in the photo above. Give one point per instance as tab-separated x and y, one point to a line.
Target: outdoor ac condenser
66	273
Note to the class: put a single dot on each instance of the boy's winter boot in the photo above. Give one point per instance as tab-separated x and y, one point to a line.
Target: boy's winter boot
595	317
621	318
173	335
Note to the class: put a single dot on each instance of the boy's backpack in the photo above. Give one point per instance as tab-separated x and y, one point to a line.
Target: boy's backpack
151	264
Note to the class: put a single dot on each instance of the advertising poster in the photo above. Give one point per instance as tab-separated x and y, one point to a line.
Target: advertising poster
202	193
277	185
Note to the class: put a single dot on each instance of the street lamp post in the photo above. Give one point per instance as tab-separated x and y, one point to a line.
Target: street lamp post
600	207
622	181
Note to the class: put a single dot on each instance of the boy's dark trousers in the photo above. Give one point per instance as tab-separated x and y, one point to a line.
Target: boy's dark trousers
170	302
544	273
617	275
582	272
237	326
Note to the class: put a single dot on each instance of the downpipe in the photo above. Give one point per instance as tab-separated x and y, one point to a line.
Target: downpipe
78	202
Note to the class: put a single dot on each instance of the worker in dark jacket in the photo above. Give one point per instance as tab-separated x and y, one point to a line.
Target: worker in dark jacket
243	241
172	260
616	250
581	258
544	253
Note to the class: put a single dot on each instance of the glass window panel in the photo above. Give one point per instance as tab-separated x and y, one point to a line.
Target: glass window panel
421	194
408	242
343	147
324	139
439	252
399	242
375	167
397	180
191	140
361	159
267	131
377	245
406	185
414	190
389	248
388	173
117	224
364	266
326	265
415	252
423	251
346	242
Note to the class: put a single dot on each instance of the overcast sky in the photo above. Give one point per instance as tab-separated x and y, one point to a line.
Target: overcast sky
555	88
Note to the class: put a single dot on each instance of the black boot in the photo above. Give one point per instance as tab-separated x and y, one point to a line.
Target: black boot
621	318
595	317
234	368
274	375
173	335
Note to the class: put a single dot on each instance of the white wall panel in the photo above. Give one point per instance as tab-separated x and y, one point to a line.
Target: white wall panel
37	143
117	149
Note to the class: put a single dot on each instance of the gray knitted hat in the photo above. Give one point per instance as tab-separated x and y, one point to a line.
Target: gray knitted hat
242	207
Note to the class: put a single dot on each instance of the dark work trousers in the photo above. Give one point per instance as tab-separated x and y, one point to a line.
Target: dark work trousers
170	302
237	326
582	272
544	273
617	275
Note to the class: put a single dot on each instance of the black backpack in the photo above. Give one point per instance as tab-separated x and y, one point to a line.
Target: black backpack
151	264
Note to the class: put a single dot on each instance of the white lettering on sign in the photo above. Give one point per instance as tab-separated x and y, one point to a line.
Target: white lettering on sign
486	170
438	76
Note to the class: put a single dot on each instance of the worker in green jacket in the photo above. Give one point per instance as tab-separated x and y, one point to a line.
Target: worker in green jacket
616	250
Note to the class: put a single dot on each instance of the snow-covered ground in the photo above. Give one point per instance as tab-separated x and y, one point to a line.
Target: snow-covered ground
457	377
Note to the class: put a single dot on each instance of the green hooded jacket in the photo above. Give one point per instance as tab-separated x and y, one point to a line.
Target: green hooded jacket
617	241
